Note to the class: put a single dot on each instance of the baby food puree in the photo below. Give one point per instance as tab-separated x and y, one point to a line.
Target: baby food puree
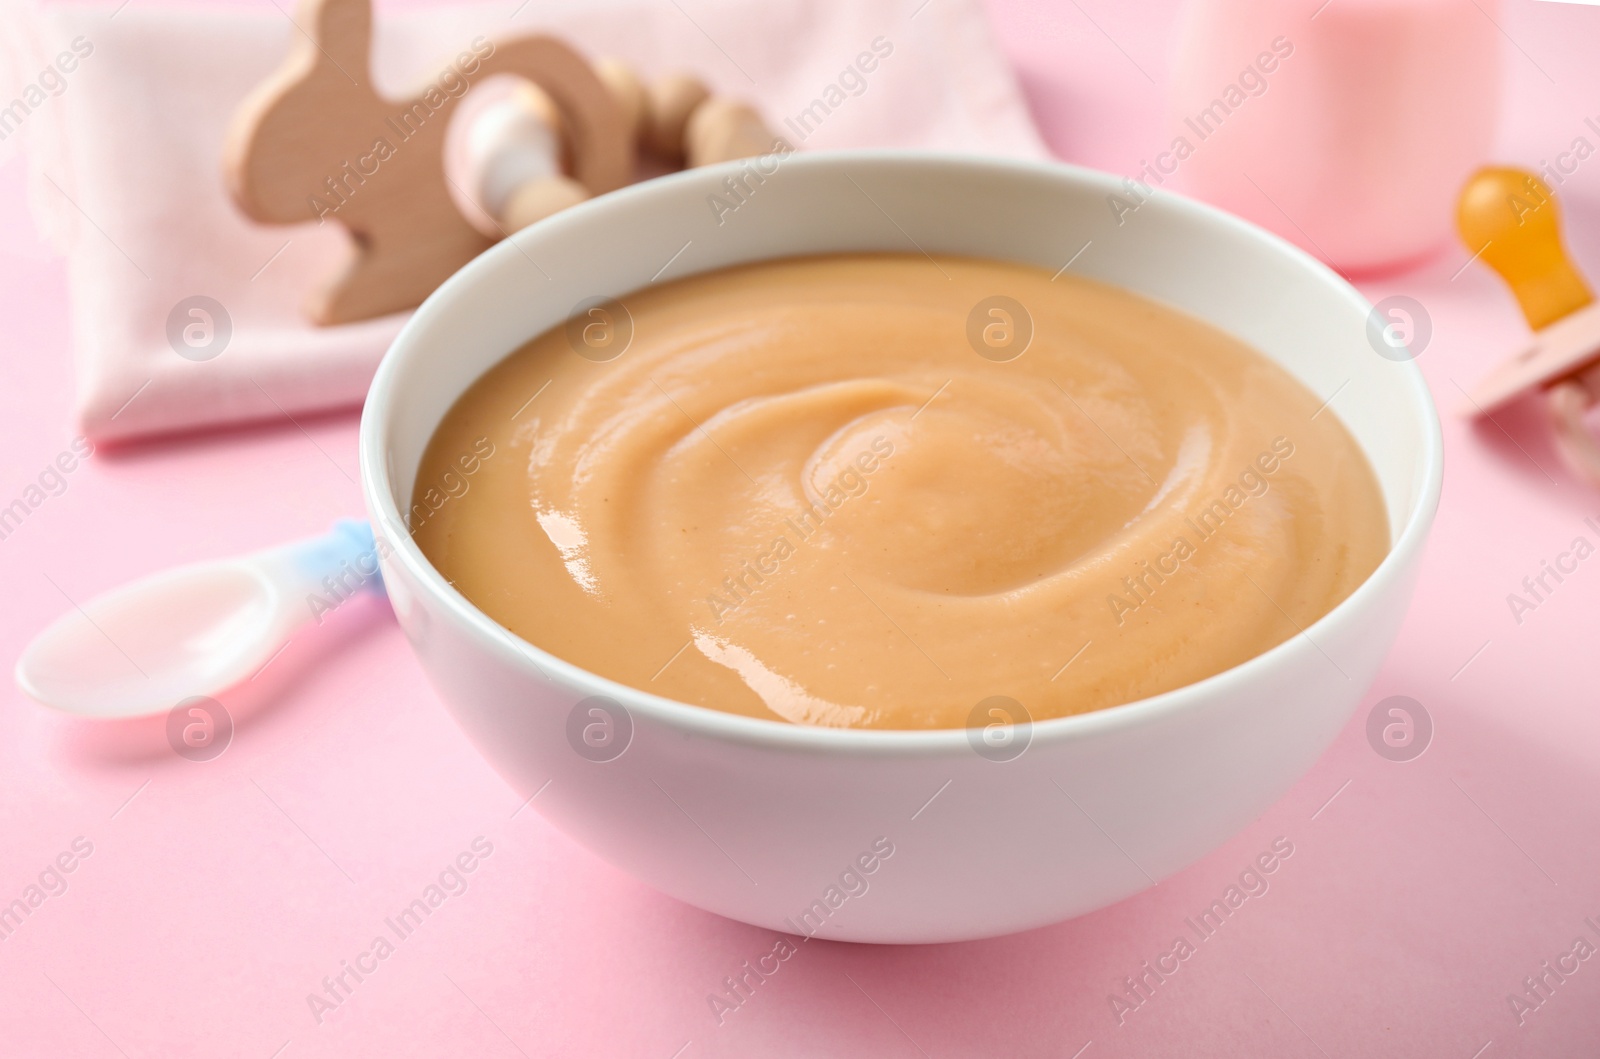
876	490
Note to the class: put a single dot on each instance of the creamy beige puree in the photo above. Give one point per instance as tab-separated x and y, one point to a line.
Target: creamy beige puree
802	493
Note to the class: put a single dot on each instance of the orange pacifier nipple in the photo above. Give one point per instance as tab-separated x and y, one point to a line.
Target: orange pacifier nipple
1509	218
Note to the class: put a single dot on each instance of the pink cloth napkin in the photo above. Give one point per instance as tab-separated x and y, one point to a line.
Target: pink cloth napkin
124	141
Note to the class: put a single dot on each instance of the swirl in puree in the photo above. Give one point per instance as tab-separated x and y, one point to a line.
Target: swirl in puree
812	490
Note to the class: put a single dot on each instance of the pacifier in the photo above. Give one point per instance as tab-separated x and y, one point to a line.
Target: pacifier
1509	218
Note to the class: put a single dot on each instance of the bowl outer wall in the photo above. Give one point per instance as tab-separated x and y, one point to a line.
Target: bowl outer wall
757	820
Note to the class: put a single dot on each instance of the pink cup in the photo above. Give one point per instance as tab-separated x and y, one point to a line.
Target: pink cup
1346	126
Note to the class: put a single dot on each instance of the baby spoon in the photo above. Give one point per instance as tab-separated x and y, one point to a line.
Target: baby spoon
201	629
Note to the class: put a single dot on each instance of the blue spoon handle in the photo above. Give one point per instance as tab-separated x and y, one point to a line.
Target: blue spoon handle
344	560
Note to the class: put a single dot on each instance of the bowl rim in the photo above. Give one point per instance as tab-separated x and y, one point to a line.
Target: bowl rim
379	494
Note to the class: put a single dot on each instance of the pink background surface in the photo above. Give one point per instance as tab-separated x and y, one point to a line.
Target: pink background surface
219	894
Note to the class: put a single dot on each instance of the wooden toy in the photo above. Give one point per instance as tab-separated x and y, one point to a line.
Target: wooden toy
512	142
668	104
628	91
720	130
1510	219
538	199
316	142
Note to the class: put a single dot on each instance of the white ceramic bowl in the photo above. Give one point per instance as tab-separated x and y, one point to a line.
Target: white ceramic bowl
775	824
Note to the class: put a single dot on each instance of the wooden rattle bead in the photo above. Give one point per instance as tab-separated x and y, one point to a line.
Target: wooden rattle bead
620	79
538	199
536	99
668	106
513	142
721	130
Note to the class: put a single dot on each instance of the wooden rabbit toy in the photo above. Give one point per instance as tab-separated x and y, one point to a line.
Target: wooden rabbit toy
316	142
